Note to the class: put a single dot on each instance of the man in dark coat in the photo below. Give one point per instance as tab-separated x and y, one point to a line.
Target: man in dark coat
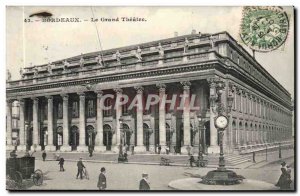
91	149
192	160
61	164
144	183
80	167
102	180
44	155
283	181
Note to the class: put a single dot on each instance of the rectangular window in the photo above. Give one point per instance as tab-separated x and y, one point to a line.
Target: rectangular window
108	103
60	111
91	108
75	110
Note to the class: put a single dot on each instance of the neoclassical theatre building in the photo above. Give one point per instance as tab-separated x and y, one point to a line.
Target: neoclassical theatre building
58	104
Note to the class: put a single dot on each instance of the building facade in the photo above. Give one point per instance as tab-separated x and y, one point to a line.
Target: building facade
60	102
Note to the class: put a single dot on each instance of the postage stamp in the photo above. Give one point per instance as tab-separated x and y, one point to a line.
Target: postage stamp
265	28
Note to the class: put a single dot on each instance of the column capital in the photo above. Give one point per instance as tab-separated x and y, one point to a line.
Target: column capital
118	90
186	85
65	97
49	97
213	80
99	93
139	89
35	99
161	87
21	101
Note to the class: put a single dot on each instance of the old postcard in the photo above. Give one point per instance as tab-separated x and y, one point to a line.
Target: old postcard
150	98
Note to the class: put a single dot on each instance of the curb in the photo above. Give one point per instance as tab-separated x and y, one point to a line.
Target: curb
138	163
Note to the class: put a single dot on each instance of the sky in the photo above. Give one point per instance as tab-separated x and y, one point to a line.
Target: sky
26	42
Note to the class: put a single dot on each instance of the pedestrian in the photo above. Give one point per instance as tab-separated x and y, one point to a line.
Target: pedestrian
80	167
167	149
132	149
283	181
159	149
144	183
192	160
289	177
44	155
102	179
188	149
91	149
61	164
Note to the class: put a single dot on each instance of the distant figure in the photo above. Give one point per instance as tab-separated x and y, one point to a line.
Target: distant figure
167	149
91	151
44	155
13	154
132	150
80	167
61	164
192	160
144	183
289	179
159	149
125	156
102	180
283	181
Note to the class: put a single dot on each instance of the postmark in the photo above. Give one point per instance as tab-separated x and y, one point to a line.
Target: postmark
264	29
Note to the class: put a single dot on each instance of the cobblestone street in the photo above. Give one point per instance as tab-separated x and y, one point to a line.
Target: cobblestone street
127	176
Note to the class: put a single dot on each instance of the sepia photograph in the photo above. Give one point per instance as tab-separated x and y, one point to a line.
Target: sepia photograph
150	98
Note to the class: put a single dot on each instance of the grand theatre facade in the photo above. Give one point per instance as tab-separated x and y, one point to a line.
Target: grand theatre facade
59	104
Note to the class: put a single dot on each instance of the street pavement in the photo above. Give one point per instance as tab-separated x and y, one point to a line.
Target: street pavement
127	176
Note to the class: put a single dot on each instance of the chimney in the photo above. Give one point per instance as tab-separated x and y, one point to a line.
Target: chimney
194	32
175	34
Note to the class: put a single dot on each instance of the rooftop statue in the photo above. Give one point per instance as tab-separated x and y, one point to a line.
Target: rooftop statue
161	50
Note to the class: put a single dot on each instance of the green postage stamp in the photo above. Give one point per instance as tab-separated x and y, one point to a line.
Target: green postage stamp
265	28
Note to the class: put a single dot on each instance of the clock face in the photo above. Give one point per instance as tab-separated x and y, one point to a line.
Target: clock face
221	122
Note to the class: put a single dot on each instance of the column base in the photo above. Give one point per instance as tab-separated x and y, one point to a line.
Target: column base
213	149
116	148
140	149
183	150
21	148
50	148
10	147
100	148
152	148
82	148
163	149
36	148
65	149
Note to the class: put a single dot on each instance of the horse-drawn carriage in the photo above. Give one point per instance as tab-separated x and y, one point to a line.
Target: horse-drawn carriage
18	169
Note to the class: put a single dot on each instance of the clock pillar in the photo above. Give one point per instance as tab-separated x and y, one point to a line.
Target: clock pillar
213	148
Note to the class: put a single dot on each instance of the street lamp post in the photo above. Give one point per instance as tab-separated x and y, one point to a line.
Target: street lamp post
121	157
201	120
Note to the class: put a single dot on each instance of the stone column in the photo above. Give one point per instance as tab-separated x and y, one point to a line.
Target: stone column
99	147
238	142
162	117
186	117
82	146
139	120
117	135
65	147
50	146
213	148
9	145
22	145
35	135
